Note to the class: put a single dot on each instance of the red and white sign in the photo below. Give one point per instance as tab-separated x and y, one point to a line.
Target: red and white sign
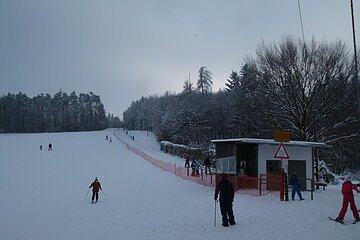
281	152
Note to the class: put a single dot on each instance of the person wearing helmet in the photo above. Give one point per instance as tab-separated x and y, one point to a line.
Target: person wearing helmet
348	197
226	190
96	186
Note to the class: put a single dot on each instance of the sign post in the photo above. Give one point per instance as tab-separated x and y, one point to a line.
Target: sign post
282	136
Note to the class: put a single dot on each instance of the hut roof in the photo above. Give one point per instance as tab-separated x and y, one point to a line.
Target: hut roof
269	141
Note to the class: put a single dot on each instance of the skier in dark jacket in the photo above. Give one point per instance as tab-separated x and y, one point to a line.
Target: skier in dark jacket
295	187
348	197
207	164
226	190
95	188
187	161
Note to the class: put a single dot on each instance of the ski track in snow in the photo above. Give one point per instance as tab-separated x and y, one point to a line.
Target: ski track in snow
43	196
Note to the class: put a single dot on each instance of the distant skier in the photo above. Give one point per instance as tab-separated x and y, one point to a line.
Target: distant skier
195	168
348	197
207	164
187	161
40	147
107	137
95	189
226	190
50	147
295	187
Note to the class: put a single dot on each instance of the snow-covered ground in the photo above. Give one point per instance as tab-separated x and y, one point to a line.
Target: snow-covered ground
43	196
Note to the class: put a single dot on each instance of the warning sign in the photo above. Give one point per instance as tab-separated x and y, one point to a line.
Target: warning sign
281	152
281	136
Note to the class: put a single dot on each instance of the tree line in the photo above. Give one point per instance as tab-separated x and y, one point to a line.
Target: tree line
60	113
306	88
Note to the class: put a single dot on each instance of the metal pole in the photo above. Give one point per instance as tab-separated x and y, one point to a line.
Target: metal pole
317	178
356	77
215	215
312	189
286	187
87	194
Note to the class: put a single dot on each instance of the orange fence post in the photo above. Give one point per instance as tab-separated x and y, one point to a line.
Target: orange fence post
286	187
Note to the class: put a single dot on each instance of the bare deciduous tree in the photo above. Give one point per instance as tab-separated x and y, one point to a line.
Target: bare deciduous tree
306	84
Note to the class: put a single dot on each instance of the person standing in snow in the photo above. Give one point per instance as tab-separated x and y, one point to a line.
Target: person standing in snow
187	161
226	190
207	164
195	168
295	187
348	197
96	186
50	147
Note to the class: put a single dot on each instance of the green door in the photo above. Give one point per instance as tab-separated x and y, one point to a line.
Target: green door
298	166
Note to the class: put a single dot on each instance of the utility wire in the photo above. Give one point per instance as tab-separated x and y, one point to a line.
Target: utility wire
301	22
356	76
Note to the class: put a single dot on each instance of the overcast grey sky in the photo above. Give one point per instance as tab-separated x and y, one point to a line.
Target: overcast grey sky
125	49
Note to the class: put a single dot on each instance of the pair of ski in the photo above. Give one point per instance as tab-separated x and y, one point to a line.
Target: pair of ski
343	223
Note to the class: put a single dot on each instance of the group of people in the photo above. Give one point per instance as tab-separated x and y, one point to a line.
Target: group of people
49	149
348	197
131	137
195	166
107	138
225	192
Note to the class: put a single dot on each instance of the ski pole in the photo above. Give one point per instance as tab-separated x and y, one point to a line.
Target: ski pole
87	194
103	192
215	215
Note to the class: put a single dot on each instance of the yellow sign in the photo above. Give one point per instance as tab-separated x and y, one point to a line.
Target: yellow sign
281	136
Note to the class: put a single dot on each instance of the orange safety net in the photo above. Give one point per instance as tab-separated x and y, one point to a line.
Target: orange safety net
254	186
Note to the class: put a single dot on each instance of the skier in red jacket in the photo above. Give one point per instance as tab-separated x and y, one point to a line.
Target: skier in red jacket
348	197
96	186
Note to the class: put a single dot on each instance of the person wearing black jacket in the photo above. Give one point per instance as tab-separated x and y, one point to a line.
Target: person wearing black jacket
226	190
